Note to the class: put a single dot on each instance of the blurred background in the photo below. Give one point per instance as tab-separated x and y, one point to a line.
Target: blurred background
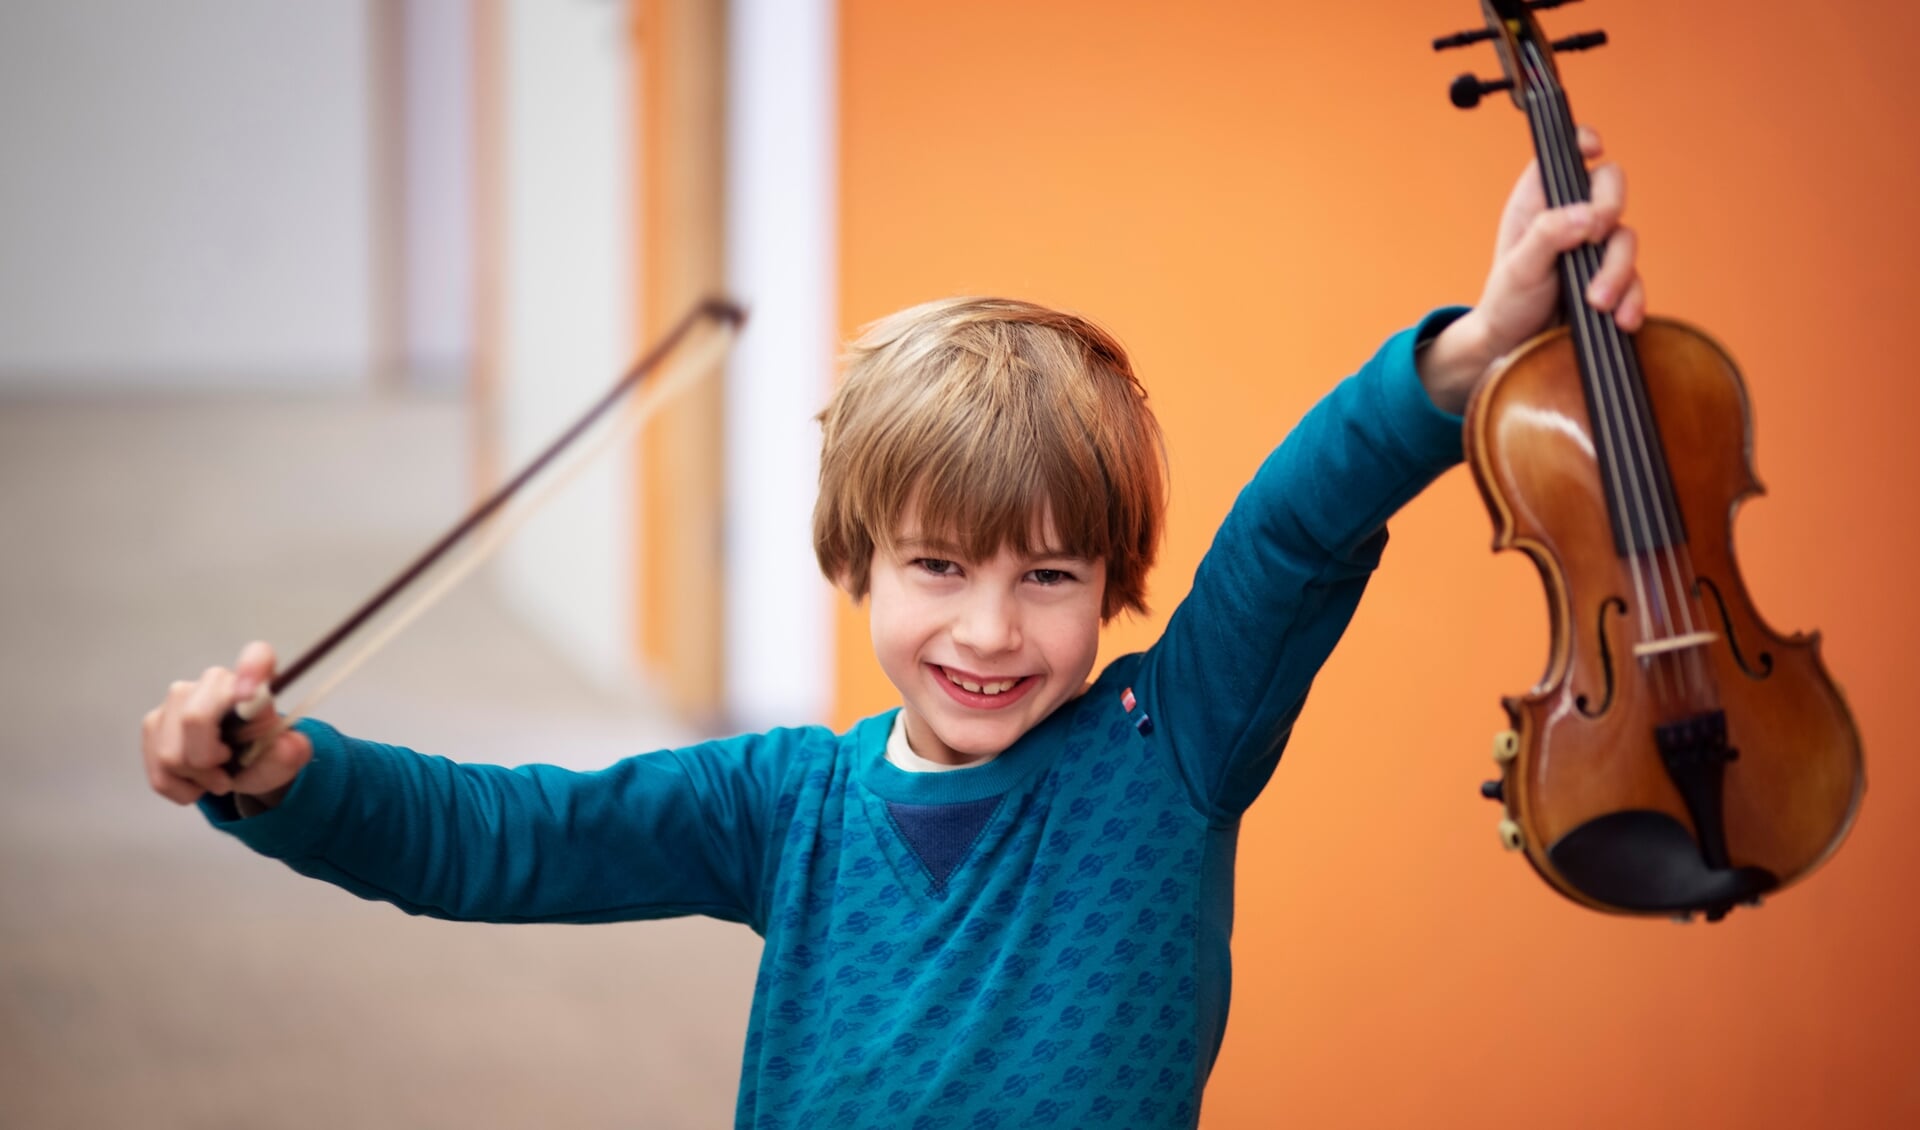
284	286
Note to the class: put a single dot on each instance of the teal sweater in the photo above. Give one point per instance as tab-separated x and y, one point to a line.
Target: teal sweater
1037	941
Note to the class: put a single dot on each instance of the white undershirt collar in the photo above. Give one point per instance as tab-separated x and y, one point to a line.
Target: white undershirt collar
901	755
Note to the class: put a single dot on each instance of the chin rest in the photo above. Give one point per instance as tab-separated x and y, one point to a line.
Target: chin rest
1645	860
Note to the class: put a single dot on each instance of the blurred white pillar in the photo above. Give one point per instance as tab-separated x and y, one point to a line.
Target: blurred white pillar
781	241
567	316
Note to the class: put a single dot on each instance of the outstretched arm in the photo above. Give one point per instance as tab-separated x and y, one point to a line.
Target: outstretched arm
669	833
677	832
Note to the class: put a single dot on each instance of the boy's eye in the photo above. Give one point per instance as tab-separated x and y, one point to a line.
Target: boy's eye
939	567
1051	576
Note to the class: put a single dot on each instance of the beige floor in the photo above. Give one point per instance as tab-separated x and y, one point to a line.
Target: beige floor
152	973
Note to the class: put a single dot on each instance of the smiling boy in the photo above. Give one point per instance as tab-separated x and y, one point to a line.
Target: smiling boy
1008	902
991	482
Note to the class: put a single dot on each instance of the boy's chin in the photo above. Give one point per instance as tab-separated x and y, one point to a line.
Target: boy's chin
975	740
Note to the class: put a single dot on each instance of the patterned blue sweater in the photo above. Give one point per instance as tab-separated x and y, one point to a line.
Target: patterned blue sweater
1037	941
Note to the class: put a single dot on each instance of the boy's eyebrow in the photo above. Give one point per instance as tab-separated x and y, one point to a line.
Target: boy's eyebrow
930	544
927	543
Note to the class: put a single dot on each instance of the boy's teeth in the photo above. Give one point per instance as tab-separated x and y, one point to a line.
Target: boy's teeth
1000	687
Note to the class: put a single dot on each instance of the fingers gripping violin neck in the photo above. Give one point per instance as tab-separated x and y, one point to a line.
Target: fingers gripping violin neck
1678	755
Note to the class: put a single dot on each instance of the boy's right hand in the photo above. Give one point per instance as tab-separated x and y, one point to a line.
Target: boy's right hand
180	738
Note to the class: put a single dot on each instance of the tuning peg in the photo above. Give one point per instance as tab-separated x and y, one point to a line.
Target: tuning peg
1467	90
1585	41
1462	39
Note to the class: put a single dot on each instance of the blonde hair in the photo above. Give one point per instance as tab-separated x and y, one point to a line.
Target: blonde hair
984	418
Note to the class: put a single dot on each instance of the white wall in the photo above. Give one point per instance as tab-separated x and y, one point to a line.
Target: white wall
184	193
568	313
438	104
781	238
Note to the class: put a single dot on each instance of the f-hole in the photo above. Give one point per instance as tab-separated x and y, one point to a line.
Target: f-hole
1754	671
1606	657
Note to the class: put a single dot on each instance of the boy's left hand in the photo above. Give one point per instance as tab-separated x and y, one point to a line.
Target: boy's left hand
1522	295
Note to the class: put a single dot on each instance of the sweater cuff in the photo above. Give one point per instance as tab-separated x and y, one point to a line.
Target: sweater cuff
304	817
1429	433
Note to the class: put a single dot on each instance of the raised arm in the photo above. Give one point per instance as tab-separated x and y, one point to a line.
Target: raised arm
1286	570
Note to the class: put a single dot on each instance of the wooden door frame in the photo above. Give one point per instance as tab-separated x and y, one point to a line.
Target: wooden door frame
681	51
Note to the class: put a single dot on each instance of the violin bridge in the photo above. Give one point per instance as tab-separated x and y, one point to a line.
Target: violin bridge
1674	643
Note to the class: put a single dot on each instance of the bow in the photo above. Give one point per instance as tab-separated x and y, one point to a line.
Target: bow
721	316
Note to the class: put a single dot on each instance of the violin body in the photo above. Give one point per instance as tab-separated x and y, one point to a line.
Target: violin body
1675	758
1679	756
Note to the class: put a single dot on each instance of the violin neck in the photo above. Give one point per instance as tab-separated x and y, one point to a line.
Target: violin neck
1633	464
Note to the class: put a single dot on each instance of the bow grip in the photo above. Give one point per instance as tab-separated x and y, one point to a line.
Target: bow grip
244	753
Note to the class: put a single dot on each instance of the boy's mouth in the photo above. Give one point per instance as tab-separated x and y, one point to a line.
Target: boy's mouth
974	690
978	686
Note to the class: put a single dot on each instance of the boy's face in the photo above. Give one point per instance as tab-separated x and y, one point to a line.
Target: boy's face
981	651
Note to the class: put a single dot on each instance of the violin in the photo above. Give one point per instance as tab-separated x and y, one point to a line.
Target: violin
1678	756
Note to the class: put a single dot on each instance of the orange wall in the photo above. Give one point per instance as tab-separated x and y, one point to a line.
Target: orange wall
1252	196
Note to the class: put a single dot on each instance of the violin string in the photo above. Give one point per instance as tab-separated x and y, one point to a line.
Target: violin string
1675	552
1560	169
1671	553
646	404
1667	551
1567	165
1613	377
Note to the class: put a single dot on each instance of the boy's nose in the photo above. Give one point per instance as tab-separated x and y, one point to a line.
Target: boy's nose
987	625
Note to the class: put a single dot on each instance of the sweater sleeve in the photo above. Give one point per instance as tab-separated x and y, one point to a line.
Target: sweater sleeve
1285	573
676	832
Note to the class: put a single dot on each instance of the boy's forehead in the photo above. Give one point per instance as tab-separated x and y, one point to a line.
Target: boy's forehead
916	529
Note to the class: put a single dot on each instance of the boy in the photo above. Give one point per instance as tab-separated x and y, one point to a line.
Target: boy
1008	902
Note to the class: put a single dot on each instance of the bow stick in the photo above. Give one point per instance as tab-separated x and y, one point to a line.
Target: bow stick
727	318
